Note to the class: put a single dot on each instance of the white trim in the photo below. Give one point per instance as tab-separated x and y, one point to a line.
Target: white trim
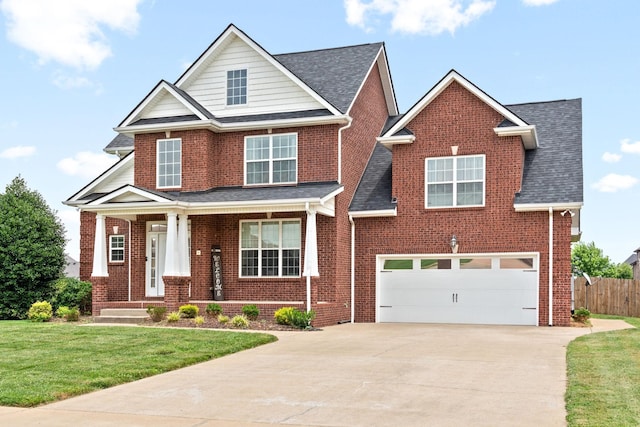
550	283
374	213
73	200
439	88
528	134
246	87
270	160
454	182
111	248
539	207
128	189
158	141
385	78
390	141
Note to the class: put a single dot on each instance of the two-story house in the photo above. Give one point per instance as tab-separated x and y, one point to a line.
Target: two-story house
292	180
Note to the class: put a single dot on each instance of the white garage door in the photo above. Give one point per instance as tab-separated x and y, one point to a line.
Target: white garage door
494	290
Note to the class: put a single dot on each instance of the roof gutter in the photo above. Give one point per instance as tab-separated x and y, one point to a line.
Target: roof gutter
540	207
528	134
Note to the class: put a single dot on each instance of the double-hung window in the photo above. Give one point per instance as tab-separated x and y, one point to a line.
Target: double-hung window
169	163
454	181
237	87
270	248
271	159
116	248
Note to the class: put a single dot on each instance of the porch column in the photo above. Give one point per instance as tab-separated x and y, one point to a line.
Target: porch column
171	261
310	253
100	249
183	245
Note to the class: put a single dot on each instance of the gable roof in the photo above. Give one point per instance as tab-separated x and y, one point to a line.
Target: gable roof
374	191
553	173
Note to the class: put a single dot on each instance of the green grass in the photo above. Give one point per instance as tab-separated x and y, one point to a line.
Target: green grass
604	377
44	362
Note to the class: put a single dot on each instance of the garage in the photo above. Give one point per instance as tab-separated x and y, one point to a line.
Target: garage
497	289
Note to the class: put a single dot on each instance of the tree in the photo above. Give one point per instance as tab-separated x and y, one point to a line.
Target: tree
587	258
32	241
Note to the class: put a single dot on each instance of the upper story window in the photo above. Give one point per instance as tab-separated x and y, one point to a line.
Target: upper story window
271	159
454	181
169	163
237	87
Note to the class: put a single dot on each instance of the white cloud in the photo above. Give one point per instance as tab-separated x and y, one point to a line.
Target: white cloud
430	17
18	151
614	182
626	146
86	164
611	157
538	2
68	31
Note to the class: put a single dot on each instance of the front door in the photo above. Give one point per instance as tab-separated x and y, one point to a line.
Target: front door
156	244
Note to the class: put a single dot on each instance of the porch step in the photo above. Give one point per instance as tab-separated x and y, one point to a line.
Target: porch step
121	315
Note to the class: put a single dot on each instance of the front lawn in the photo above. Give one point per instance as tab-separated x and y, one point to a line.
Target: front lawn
44	362
603	372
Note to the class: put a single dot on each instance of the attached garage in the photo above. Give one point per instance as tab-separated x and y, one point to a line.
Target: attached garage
496	289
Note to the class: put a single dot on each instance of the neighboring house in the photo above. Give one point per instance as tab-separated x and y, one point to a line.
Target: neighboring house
633	262
292	180
72	267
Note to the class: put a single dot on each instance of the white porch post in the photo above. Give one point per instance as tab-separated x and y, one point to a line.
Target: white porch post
310	253
100	249
183	245
171	261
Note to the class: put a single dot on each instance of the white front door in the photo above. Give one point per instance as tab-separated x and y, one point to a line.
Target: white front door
156	244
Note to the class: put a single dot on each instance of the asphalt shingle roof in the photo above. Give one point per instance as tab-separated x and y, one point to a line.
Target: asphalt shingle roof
335	74
553	171
374	190
119	142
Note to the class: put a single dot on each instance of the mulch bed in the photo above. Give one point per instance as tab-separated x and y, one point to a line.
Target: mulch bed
212	323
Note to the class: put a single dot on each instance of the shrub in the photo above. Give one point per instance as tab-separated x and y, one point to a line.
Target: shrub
156	313
213	309
240	321
189	311
69	314
223	319
581	315
174	316
294	317
40	311
198	320
70	292
251	311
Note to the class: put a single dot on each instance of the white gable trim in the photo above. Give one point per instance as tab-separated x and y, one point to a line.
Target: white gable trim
128	191
155	93
439	88
527	133
390	141
87	189
387	84
233	31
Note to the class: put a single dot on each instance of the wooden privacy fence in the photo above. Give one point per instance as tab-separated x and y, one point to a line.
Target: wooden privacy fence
608	296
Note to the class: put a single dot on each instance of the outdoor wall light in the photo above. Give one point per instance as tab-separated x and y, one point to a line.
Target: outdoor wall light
454	244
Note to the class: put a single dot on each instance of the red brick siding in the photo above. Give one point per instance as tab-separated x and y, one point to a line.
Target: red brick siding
456	117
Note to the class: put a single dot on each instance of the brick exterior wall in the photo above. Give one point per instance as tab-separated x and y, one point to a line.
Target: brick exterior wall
456	117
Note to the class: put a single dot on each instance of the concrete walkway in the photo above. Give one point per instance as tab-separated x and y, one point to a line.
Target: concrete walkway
349	375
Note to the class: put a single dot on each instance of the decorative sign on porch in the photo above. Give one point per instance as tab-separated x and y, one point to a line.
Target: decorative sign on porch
216	262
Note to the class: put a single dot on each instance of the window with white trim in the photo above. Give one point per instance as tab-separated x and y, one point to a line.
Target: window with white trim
454	181
270	248
116	248
237	87
271	159
169	163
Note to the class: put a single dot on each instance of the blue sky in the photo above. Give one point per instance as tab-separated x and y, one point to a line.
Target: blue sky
71	70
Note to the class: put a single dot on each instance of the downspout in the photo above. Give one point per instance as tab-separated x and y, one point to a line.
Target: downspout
308	277
353	268
550	266
129	269
347	126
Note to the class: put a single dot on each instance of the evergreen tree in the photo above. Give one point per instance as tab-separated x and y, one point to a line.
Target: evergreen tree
32	241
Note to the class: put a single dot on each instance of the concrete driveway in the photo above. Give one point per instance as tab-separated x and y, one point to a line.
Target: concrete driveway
349	375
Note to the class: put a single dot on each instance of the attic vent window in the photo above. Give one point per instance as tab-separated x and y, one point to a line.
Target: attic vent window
237	87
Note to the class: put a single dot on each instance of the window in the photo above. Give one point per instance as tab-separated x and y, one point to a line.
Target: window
271	159
475	264
455	181
398	264
270	248
435	264
516	263
237	87
169	163
116	248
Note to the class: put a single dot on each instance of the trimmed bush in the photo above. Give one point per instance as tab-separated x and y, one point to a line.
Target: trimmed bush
40	311
174	316
251	311
70	292
240	321
223	319
198	320
69	314
213	309
156	313
293	317
581	315
188	310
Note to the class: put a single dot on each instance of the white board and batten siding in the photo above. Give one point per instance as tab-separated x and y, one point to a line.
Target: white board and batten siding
495	289
269	90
